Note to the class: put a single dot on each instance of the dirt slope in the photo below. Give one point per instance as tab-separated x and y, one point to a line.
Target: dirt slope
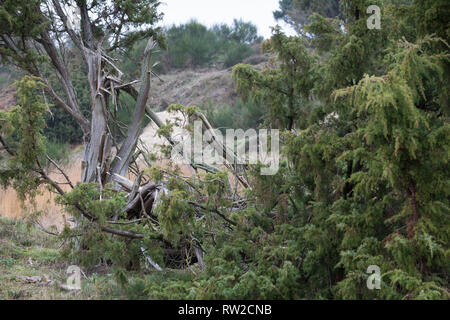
7	98
195	88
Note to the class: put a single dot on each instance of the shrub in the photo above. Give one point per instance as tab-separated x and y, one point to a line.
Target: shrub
58	151
195	45
190	45
236	53
240	115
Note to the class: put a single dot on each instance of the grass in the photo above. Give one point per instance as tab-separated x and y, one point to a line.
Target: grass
27	252
10	206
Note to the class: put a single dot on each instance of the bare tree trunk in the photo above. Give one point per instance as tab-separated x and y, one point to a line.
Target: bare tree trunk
96	144
122	160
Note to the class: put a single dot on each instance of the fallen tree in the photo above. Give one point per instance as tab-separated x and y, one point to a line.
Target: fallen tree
110	170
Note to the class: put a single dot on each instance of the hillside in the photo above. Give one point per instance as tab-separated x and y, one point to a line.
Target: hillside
7	98
185	86
196	87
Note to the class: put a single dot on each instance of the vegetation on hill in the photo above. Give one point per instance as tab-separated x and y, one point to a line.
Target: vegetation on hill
194	45
298	13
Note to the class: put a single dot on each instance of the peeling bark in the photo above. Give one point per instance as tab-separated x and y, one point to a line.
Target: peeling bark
122	160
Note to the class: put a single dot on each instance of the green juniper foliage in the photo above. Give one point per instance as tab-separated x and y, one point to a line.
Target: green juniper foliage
365	180
21	130
96	246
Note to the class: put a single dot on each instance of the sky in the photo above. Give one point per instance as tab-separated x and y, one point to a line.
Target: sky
209	12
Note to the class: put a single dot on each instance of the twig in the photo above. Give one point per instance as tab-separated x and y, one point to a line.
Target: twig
41	228
213	210
125	223
149	260
60	170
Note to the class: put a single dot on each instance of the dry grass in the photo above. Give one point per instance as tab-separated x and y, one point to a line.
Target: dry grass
7	99
189	87
52	214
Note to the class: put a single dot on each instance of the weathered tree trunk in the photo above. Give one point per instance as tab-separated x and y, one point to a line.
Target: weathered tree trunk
122	160
97	144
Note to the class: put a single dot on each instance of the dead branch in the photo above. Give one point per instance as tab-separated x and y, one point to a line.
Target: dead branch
60	170
226	153
149	260
220	214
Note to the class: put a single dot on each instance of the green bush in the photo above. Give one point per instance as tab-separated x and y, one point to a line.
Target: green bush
194	45
190	45
236	53
58	151
240	115
61	127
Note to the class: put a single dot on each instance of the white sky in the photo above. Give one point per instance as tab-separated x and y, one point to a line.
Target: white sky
209	12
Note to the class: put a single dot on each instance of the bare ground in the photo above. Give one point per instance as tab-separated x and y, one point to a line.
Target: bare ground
195	88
